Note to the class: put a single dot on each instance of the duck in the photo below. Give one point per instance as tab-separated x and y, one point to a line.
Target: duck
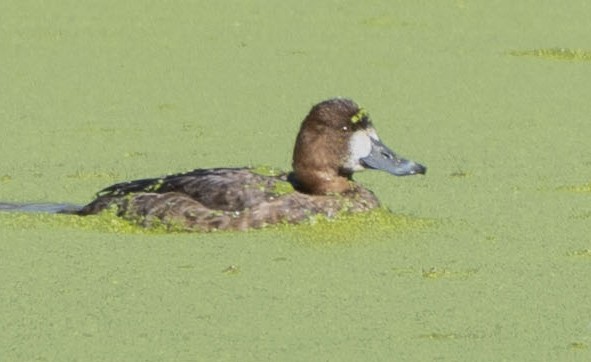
336	139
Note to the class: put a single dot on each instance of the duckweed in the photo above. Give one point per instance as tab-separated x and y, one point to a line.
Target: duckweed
578	345
438	273
279	187
577	188
582	252
343	228
106	221
89	175
231	270
134	154
282	188
155	186
438	336
267	171
362	113
385	21
459	173
372	226
555	54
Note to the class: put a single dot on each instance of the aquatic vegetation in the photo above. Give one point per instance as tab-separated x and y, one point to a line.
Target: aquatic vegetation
282	188
375	225
582	215
166	106
343	228
578	345
438	273
231	270
577	188
134	154
438	336
582	252
433	273
359	116
384	21
267	171
106	221
459	173
89	175
555	54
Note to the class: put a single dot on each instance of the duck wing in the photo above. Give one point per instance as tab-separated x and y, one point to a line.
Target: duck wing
228	189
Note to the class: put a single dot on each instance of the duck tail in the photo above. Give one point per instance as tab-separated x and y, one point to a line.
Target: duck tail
51	208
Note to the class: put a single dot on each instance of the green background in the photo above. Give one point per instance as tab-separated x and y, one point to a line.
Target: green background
96	92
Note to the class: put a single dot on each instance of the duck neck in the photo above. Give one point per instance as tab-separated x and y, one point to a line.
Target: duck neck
321	182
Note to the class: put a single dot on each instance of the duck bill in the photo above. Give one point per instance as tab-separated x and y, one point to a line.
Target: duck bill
383	158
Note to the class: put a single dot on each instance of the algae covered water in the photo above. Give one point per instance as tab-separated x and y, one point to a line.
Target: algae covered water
485	258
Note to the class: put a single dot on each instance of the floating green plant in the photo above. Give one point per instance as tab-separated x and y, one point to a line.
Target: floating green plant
134	154
106	221
267	171
459	173
578	345
231	270
89	175
582	252
555	54
577	188
282	188
344	228
359	116
438	273
438	336
166	106
384	21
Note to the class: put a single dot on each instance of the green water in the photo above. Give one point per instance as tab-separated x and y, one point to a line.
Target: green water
492	262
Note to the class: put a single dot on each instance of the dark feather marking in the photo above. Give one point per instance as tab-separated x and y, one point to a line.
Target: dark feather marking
227	189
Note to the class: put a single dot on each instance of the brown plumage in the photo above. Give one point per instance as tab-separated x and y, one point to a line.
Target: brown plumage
335	139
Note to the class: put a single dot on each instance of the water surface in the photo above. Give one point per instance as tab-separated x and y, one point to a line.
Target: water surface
94	94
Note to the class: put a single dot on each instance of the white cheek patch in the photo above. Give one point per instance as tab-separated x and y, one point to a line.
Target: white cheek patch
360	144
359	147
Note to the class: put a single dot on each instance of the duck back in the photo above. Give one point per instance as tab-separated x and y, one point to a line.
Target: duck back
222	198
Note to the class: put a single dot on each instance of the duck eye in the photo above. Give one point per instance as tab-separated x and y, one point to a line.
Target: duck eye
345	128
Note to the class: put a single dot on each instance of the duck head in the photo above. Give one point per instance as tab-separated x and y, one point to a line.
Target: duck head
336	139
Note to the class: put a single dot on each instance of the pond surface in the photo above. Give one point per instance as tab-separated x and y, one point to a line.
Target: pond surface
487	257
